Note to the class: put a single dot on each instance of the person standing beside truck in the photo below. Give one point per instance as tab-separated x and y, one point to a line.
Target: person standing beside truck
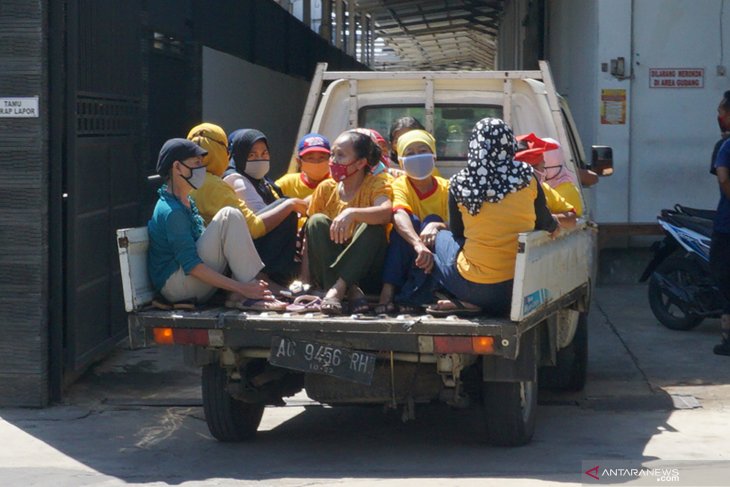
216	194
420	210
345	232
186	260
720	245
491	201
247	174
723	120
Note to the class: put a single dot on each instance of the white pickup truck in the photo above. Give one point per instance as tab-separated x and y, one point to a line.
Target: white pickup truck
251	360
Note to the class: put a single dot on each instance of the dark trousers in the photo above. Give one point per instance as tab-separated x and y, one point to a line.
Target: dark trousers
358	261
720	265
400	269
278	248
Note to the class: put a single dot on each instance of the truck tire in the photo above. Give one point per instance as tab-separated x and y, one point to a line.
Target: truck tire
571	367
228	419
510	409
669	314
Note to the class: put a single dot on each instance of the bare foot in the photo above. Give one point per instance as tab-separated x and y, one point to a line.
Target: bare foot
448	305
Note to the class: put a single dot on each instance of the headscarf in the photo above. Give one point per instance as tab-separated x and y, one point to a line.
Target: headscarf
534	148
240	143
213	139
491	172
555	171
414	136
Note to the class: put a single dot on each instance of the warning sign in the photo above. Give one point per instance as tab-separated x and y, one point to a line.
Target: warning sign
613	107
676	78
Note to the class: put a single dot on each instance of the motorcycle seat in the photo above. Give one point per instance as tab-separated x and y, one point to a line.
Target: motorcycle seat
703	226
696	212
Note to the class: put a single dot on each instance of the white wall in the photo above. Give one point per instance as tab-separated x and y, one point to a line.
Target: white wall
674	129
238	94
571	47
661	153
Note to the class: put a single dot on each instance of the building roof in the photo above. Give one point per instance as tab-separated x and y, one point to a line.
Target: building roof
435	34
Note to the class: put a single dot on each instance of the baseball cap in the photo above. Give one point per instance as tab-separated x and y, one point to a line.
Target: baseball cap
177	150
313	143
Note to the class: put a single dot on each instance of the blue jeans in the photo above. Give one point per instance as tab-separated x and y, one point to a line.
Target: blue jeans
493	299
401	257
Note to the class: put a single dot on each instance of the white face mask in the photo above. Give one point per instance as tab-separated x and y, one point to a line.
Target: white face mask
418	166
197	177
257	169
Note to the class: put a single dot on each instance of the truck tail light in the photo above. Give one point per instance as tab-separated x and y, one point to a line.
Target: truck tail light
472	345
180	336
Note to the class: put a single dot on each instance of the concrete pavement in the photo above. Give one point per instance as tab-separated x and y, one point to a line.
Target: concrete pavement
136	419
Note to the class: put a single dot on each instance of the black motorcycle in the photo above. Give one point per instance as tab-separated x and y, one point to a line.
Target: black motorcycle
682	291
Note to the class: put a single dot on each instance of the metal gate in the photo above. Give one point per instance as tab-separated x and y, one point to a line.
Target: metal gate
102	175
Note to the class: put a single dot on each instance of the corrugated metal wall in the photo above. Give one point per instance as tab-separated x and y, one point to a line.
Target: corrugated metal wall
24	203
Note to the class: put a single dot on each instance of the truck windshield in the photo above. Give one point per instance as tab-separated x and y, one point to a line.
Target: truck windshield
452	124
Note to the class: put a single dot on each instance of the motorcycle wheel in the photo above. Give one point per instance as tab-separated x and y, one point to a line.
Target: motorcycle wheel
671	313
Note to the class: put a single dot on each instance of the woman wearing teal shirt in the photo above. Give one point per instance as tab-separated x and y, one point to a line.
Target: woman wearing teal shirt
186	260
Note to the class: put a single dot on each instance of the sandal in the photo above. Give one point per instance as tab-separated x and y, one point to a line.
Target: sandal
359	306
257	305
385	308
409	309
331	306
459	309
305	303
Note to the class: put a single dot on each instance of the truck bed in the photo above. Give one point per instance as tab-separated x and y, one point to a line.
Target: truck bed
223	327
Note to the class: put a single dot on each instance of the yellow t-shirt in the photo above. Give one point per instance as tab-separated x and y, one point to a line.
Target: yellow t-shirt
555	202
294	185
490	247
406	197
216	194
570	192
326	198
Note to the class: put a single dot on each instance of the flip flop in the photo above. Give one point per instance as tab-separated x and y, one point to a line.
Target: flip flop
256	305
331	306
385	308
459	310
359	306
305	303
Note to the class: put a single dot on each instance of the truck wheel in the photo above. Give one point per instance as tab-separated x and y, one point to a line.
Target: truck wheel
228	419
670	313
571	367
510	409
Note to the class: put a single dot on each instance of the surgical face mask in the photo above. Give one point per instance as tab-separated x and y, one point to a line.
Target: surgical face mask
315	171
418	166
257	169
197	176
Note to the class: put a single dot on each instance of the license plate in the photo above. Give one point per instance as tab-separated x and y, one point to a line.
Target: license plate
322	358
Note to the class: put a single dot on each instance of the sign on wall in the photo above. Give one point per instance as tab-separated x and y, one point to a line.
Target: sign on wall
613	107
19	107
676	78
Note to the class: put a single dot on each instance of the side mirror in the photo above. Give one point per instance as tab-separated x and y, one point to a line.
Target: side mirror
602	160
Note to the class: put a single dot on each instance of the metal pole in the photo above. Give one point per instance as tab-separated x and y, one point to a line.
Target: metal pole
351	24
325	28
339	27
363	38
307	12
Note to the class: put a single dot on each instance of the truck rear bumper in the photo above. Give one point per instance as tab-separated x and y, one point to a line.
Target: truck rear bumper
236	330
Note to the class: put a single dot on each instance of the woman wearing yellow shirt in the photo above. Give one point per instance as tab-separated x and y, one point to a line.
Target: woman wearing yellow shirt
546	157
420	208
491	201
270	228
346	229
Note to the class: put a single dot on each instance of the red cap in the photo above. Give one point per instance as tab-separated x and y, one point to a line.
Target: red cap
536	147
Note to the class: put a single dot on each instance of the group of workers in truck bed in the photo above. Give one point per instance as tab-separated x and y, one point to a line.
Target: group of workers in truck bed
362	216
